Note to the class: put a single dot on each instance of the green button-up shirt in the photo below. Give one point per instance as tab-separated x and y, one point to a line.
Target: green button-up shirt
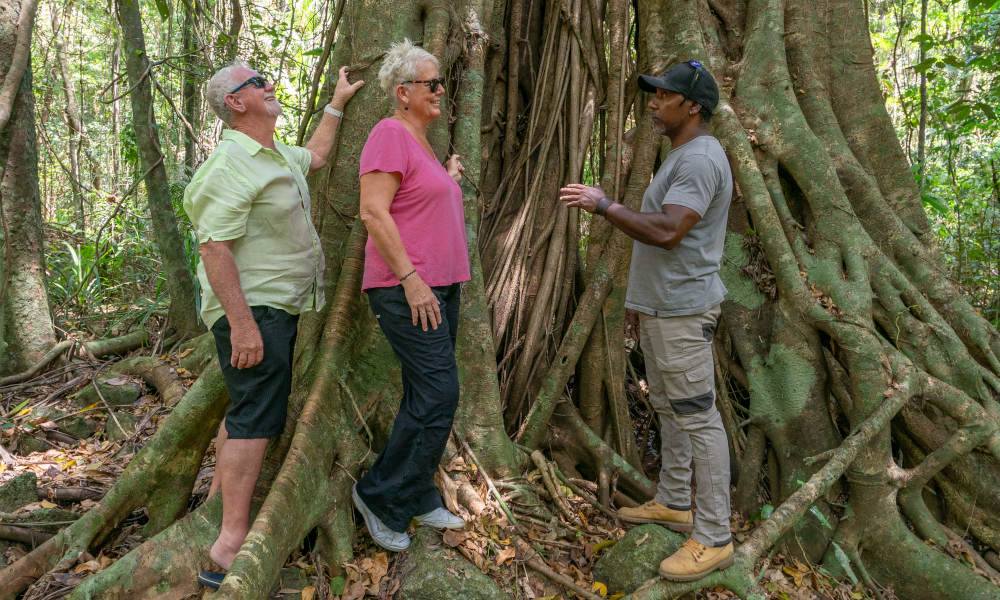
259	198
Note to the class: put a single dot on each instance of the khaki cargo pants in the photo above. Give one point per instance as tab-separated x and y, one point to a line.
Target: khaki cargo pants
681	376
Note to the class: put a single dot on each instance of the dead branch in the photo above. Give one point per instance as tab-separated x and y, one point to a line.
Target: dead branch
24	535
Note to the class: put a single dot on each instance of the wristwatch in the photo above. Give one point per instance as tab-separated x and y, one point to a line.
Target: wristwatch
602	205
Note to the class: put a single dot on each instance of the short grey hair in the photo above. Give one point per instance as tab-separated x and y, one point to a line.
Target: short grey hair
218	88
402	63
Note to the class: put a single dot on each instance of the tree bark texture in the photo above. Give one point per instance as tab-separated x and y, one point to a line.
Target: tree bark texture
180	284
26	331
854	380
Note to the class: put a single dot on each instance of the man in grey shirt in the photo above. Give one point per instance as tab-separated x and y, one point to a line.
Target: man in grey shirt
675	288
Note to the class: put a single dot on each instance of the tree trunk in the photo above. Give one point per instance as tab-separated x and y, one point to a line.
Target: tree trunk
26	330
190	92
862	379
73	122
180	284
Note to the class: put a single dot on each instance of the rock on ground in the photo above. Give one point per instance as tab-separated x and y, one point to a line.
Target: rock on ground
636	557
117	391
433	573
111	430
18	491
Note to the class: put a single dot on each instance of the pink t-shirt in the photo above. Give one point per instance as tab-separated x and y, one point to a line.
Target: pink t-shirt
427	210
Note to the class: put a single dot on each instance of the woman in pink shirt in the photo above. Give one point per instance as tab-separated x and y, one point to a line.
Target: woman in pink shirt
415	258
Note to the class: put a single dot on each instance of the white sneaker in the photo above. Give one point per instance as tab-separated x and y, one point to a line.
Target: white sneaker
442	519
383	536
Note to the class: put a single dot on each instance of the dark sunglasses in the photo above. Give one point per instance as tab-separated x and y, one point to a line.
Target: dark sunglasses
257	81
432	84
694	79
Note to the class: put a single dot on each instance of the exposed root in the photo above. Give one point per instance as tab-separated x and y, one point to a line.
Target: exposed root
97	348
160	477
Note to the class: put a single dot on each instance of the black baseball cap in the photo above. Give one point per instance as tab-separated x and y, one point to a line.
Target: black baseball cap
690	79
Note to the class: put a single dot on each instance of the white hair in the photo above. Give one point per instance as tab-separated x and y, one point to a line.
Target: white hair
402	63
218	88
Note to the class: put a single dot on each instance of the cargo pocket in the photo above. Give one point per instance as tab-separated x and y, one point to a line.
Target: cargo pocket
688	384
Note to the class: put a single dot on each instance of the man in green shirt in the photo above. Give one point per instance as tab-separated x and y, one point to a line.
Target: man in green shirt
261	265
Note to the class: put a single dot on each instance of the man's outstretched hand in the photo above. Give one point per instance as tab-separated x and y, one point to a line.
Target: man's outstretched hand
581	196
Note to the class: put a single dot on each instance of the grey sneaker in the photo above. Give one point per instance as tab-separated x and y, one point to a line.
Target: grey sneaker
442	519
383	536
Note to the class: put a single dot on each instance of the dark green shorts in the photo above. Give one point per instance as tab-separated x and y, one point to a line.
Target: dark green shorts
259	394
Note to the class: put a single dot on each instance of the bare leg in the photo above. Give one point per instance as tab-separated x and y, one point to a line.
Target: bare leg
237	466
220	441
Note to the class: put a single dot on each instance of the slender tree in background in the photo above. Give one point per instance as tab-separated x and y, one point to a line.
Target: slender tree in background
190	91
922	128
855	382
26	332
180	285
73	120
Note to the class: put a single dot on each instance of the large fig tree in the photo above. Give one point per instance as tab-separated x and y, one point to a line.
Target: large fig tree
855	381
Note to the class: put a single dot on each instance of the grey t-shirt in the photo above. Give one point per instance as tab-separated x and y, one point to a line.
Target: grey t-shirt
685	280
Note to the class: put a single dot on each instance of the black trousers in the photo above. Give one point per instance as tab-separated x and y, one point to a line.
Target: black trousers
400	485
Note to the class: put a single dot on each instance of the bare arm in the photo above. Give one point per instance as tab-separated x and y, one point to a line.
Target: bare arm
224	278
664	229
378	188
321	142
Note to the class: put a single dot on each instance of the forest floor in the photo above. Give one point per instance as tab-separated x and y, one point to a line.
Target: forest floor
71	447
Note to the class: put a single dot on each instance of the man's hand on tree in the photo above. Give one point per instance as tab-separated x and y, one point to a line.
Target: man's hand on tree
344	90
581	196
248	347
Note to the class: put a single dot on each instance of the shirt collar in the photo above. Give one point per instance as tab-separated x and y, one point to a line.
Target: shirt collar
245	141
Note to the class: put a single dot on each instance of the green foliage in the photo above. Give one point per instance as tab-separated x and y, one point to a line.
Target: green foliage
960	183
109	272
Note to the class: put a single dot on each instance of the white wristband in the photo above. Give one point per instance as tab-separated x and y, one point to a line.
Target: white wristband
333	111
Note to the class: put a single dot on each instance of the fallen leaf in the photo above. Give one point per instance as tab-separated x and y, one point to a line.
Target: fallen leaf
185	353
67	579
91	566
641	540
380	567
454	537
600	588
354	591
505	555
309	592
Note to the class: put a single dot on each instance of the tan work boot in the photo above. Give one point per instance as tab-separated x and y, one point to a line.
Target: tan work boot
654	512
694	560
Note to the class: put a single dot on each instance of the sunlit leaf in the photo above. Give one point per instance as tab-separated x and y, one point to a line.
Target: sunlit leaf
163	8
934	201
951	59
820	516
924	65
988	110
844	562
